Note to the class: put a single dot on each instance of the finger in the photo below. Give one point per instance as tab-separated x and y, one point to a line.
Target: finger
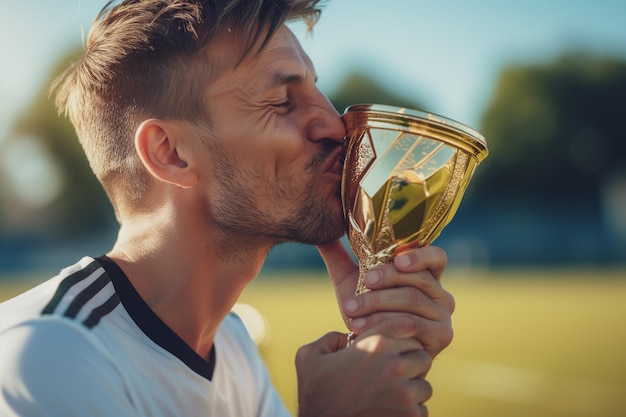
388	276
417	287
419	363
411	396
376	343
398	327
424	392
329	343
433	335
410	369
403	299
431	258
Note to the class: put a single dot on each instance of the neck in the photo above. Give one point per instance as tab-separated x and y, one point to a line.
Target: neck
190	281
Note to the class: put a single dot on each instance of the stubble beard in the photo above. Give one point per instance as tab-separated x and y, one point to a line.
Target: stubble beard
314	221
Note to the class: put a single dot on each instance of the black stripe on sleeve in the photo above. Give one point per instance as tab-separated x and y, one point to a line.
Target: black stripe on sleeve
85	295
94	318
68	283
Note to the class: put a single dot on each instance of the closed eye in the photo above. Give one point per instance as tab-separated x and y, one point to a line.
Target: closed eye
283	105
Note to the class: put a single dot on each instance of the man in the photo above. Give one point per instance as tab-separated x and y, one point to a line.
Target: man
203	122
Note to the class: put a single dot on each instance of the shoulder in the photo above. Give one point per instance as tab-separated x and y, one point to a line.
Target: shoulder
51	359
85	294
82	293
53	364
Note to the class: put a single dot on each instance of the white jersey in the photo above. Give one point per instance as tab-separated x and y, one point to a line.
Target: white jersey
84	344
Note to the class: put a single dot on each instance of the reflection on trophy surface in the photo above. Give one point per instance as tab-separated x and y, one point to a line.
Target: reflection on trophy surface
404	175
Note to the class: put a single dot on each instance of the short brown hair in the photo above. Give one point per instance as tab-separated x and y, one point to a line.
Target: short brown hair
140	62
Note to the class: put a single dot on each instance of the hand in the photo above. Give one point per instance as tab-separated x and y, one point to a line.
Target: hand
332	381
407	293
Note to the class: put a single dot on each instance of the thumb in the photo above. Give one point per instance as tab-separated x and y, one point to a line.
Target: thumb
329	343
342	269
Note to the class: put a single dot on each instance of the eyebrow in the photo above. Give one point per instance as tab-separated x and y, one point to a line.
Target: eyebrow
283	79
286	79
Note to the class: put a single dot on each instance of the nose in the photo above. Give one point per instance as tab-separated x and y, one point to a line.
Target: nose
325	122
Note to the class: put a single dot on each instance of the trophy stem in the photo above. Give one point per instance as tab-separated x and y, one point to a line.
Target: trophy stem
371	261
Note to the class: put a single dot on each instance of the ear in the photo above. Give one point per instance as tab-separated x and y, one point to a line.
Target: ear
162	148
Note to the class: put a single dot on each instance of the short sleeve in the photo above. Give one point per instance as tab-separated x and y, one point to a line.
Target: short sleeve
51	368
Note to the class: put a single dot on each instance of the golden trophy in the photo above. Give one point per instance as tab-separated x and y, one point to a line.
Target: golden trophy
404	175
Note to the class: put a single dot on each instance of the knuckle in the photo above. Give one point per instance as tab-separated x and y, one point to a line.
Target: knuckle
388	296
304	351
442	254
447	335
433	283
415	296
395	367
451	302
428	389
301	356
371	298
427	361
423	389
405	327
442	337
407	394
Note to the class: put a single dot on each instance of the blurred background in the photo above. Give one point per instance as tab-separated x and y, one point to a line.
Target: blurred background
537	250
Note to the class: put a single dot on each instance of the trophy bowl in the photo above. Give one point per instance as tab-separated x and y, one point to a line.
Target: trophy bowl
404	175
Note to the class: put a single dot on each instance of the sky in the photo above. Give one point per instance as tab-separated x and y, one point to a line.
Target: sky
446	54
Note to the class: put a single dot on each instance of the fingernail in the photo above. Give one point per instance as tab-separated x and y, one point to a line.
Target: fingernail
404	260
373	278
358	323
352	306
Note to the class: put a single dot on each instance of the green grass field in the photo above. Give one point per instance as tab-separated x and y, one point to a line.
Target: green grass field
547	343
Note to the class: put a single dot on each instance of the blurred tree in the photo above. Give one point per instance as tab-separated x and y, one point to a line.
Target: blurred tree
80	205
359	88
555	130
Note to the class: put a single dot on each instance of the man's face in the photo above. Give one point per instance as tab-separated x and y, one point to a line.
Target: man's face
276	169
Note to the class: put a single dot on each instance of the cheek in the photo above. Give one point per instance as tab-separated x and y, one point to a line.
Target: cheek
276	150
291	152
